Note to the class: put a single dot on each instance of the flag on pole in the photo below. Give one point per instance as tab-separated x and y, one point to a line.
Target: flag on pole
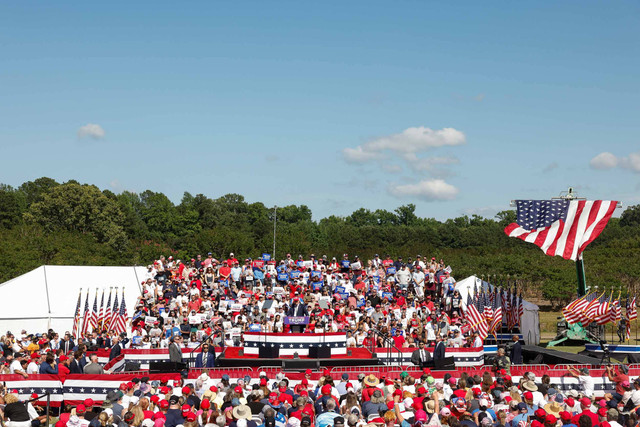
573	311
616	311
114	313
603	311
520	310
475	318
93	317
561	227
85	317
106	321
76	316
101	313
496	324
121	317
632	312
506	307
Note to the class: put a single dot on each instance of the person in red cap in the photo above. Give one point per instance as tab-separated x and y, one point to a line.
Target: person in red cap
585	407
63	367
90	413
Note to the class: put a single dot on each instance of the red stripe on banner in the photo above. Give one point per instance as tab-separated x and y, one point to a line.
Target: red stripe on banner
288	334
600	226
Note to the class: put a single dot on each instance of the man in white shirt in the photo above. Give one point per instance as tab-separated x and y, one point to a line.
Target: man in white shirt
16	366
585	380
477	341
33	367
403	277
418	278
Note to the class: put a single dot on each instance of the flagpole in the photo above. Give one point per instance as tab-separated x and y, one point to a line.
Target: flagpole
582	281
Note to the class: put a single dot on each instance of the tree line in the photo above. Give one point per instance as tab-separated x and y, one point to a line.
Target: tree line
46	222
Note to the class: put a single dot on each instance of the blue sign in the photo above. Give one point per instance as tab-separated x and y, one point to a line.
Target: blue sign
268	294
340	289
316	273
361	302
294	274
391	270
344	295
224	283
300	263
376	279
345	263
388	295
316	286
266	257
296	320
283	277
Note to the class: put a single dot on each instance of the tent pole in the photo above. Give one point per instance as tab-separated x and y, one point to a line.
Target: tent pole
46	285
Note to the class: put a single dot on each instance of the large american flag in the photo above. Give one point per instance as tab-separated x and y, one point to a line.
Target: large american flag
496	323
573	311
120	320
561	227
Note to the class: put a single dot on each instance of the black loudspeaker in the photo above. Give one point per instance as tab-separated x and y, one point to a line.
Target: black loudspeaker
131	366
161	367
446	363
319	353
266	352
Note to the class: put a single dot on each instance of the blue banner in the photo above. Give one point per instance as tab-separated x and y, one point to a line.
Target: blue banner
283	277
266	257
391	270
300	263
345	263
340	289
361	302
294	274
316	285
344	295
388	295
316	273
376	279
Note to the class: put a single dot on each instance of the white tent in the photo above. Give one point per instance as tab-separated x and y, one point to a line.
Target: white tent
530	327
47	296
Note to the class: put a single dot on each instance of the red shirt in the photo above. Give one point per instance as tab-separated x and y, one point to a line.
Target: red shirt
63	371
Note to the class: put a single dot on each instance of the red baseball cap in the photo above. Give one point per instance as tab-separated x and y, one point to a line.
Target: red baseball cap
540	413
191	416
528	395
163	404
80	409
238	389
89	402
155	398
205	404
565	416
326	389
186	408
185	390
585	401
213	389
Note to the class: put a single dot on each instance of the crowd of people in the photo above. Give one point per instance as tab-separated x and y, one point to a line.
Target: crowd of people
365	400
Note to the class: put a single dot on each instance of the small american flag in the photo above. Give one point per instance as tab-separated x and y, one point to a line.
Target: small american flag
616	311
561	227
85	319
114	313
632	312
121	317
76	316
496	324
93	317
573	311
101	313
106	320
476	319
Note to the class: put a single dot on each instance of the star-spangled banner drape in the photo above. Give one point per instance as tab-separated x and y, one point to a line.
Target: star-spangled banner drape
561	227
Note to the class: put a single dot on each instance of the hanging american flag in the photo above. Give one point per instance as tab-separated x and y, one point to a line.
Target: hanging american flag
101	313
121	317
560	227
496	324
106	320
506	306
76	316
85	317
573	311
487	307
93	316
114	313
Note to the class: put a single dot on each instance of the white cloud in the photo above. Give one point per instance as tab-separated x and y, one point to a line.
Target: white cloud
632	161
91	130
392	168
429	190
604	160
407	143
359	155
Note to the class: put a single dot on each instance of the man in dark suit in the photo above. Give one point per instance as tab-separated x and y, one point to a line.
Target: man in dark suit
116	349
439	351
175	352
421	356
297	310
207	358
516	351
67	343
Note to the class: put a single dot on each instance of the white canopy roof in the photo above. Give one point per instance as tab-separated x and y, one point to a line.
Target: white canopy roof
47	296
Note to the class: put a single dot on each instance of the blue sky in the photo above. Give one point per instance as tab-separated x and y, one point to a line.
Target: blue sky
457	107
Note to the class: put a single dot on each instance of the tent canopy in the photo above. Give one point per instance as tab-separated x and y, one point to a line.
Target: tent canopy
47	296
530	327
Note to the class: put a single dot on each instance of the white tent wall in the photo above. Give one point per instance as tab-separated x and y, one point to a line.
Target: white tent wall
47	296
530	327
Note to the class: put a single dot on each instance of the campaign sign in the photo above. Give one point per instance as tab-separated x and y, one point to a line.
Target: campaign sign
283	277
376	279
294	274
258	263
316	285
345	263
300	263
278	290
316	273
344	295
448	269
236	307
340	289
391	270
269	294
136	340
150	320
388	295
296	320
361	302
266	257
